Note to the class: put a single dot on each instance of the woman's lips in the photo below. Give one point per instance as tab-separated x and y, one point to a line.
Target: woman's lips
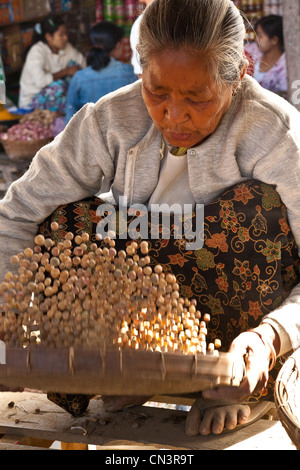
178	136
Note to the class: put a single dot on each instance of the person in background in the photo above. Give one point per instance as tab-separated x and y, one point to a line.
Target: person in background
269	58
50	62
105	71
134	39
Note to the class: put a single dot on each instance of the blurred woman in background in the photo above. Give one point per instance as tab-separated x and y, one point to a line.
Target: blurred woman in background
105	71
269	59
50	62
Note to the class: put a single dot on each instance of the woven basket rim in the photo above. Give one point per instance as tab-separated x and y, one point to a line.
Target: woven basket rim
16	149
71	370
291	422
24	142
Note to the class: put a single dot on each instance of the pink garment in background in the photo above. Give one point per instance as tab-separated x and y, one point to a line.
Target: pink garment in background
276	78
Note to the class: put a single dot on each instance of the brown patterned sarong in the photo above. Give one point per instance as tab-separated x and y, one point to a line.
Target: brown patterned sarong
246	267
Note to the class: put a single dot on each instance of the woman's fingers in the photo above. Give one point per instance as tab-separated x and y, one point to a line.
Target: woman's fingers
249	348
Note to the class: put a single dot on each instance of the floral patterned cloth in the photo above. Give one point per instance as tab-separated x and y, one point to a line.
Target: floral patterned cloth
247	266
54	96
74	404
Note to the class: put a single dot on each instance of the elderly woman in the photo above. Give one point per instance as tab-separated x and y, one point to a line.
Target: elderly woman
195	130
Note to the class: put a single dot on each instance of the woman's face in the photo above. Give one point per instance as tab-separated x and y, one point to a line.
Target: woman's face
182	98
58	40
264	42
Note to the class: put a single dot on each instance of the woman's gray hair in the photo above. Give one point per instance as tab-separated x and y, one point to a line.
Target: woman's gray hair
212	27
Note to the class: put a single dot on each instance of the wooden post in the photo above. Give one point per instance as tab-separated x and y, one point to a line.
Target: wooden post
291	28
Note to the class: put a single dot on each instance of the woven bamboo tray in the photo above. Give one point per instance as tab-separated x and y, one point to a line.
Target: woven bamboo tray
120	372
17	150
287	397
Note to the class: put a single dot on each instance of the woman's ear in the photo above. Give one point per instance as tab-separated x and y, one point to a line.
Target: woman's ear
244	70
242	74
275	40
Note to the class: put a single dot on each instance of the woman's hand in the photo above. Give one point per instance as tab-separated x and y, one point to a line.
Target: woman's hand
71	70
256	349
67	72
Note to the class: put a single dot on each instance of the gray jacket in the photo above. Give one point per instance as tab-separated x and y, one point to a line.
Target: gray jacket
113	145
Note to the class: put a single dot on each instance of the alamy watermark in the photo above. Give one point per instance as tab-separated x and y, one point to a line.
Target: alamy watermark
295	98
160	221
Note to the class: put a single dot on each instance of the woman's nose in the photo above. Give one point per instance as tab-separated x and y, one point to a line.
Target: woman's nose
176	112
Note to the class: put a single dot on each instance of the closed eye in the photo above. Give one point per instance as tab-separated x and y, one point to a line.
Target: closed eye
203	104
155	94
